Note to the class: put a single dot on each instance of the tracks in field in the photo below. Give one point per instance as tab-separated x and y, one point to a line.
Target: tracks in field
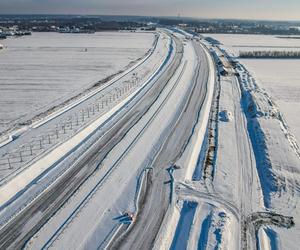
186	191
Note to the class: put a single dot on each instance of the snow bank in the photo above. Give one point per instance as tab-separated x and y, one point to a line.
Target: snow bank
167	230
200	131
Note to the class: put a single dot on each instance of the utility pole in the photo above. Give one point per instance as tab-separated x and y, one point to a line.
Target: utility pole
21	158
30	146
64	128
9	164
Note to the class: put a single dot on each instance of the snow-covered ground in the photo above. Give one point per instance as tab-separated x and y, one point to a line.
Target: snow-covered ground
247	160
270	102
75	115
98	212
280	77
277	158
40	71
149	70
234	43
251	193
96	206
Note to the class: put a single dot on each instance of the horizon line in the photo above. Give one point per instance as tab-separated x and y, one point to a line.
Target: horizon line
153	16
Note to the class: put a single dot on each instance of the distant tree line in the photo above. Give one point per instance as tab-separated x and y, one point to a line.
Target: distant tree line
50	23
269	54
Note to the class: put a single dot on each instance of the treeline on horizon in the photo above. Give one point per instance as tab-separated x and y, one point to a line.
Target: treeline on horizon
270	54
92	23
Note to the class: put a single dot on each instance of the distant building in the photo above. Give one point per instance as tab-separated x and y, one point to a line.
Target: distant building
182	25
151	24
295	28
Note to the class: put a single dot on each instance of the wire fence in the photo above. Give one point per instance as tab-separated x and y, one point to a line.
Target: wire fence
67	127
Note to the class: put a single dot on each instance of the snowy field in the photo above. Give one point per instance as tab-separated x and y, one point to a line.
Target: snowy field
43	70
234	43
280	77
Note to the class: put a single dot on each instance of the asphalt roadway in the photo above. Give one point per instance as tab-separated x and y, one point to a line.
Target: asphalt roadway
142	234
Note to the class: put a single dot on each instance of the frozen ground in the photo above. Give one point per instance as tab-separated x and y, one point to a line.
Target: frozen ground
43	70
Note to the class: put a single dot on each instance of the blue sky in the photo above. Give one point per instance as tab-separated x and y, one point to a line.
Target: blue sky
246	9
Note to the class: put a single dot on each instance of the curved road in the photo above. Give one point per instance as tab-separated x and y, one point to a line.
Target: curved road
148	222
